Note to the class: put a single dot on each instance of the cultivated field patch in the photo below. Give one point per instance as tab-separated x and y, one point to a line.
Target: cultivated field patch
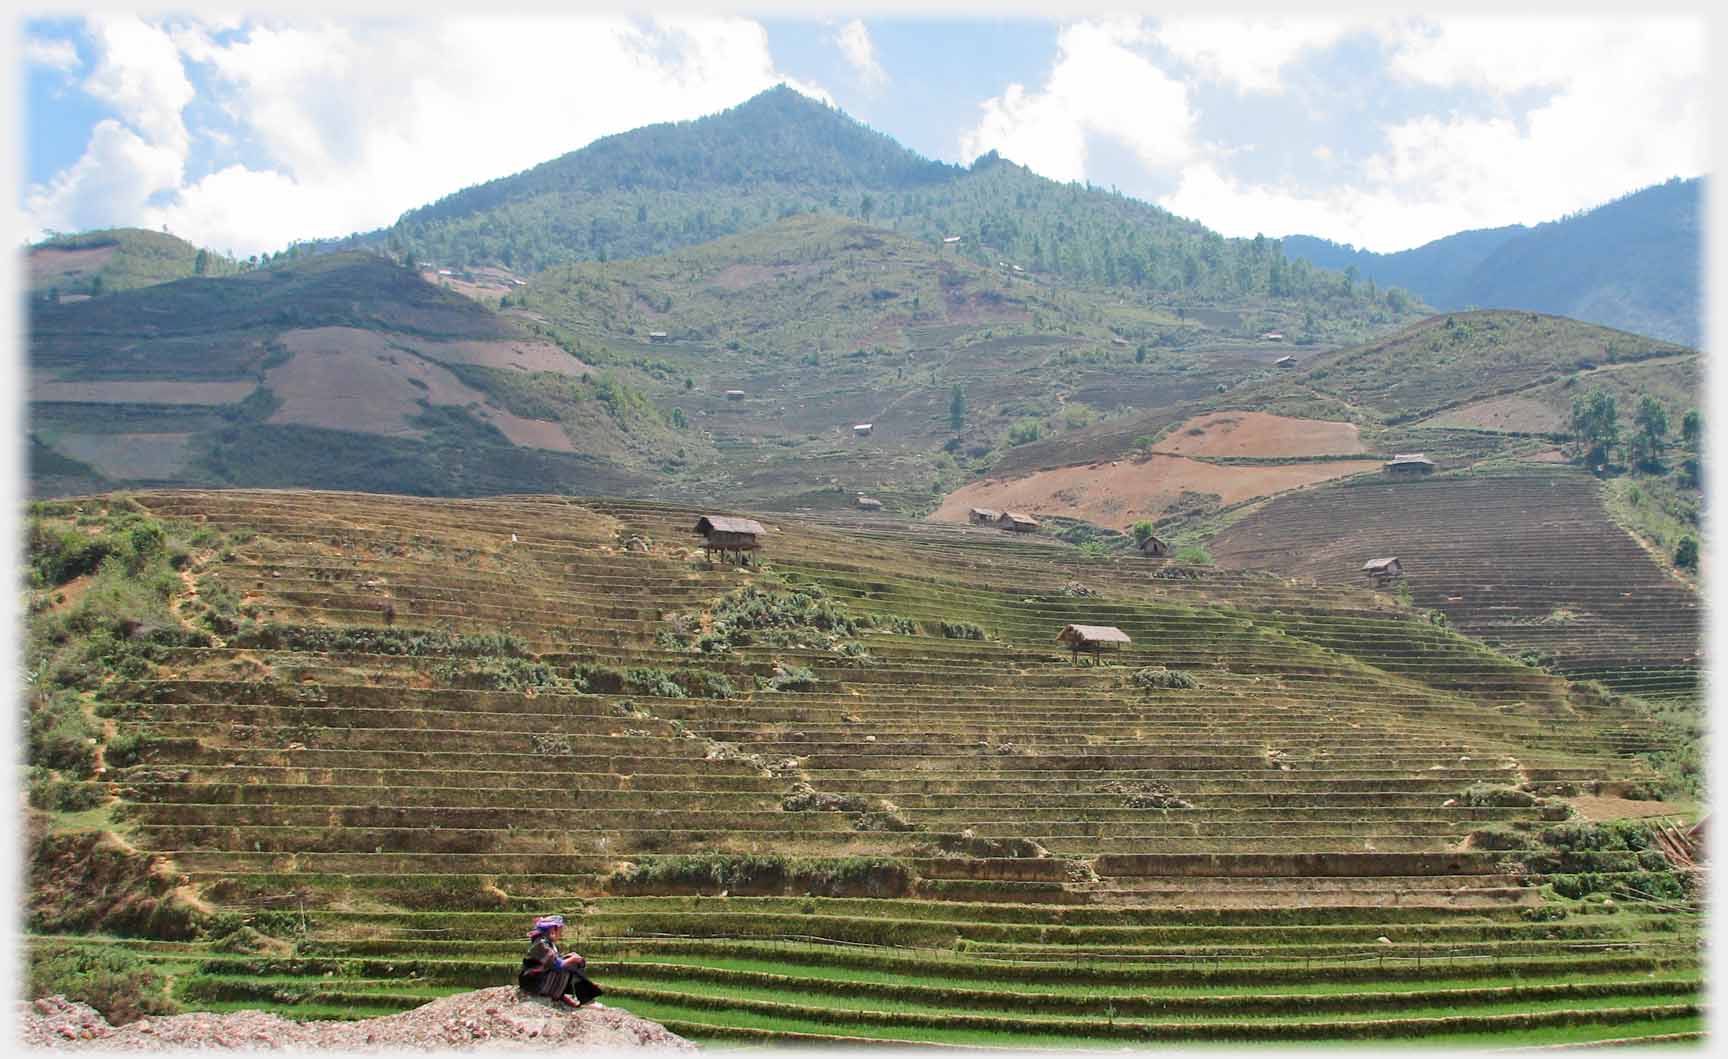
1517	412
1261	434
128	456
144	391
48	264
343	378
508	354
1119	493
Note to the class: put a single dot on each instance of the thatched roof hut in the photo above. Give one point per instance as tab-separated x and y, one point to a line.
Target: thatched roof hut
1017	522
1092	638
862	430
723	533
983	516
868	503
1386	569
1155	547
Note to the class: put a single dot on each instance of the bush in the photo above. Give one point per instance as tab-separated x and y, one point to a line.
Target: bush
962	630
57	795
1489	795
1686	553
60	736
121	985
1154	677
790	678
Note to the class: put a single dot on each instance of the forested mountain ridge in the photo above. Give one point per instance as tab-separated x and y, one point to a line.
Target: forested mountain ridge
663	187
1633	264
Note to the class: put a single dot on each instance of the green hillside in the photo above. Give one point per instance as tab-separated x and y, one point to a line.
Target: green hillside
116	259
668	186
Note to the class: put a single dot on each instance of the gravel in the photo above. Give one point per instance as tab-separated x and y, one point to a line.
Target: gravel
500	1019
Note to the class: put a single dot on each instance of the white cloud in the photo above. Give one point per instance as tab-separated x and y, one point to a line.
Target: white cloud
140	75
1566	113
1099	85
855	44
1250	53
362	121
53	54
110	186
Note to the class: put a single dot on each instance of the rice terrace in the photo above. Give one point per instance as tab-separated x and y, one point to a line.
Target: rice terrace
870	600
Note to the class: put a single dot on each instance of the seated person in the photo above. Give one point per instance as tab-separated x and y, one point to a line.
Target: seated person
549	973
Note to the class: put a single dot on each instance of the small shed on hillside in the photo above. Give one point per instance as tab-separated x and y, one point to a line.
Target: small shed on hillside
1285	361
868	503
1380	571
726	535
983	516
734	395
1155	547
1094	639
1017	522
657	336
862	430
1409	463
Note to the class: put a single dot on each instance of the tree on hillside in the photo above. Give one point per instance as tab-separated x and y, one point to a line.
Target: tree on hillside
1143	530
1651	420
1692	429
1596	424
957	407
201	263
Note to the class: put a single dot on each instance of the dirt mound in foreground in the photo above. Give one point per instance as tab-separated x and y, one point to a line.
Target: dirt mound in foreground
499	1019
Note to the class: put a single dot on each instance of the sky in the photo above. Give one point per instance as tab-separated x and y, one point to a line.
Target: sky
246	133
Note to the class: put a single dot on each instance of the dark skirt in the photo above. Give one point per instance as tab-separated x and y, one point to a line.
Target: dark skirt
556	983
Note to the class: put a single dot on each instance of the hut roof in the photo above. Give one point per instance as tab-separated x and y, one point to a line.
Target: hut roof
1085	634
1410	457
1153	541
1023	519
727	524
1380	564
984	512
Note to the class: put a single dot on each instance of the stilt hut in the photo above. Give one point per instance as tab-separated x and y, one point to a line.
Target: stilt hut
1093	639
1382	571
983	516
868	503
731	537
1017	522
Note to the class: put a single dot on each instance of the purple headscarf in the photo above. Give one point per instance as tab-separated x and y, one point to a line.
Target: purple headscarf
545	924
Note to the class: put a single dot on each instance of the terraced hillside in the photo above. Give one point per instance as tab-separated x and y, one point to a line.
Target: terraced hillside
1527	559
855	790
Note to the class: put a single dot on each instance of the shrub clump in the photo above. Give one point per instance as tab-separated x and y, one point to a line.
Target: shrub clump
962	630
123	986
652	680
754	616
1491	795
1159	678
789	678
382	640
770	874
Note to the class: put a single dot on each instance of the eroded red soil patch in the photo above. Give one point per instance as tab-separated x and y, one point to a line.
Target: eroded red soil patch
1119	493
1598	808
1261	434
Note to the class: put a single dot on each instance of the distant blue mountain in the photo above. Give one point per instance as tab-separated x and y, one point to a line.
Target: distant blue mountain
1633	264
